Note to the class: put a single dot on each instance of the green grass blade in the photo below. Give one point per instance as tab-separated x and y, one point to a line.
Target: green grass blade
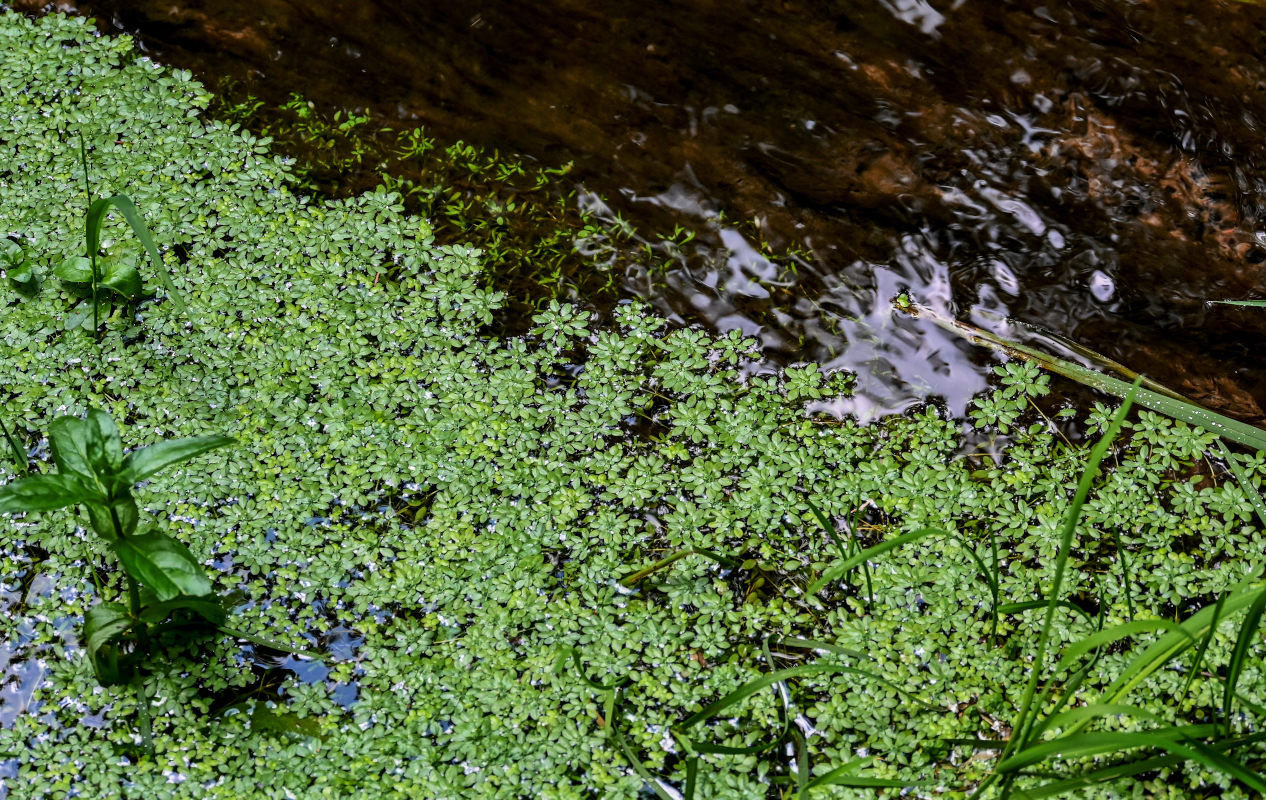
1127	769
1075	650
272	644
1077	716
1202	648
1171	645
1026	717
1029	605
1246	485
642	574
752	687
656	784
1168	404
1093	744
828	527
836	570
1215	760
1235	667
96	214
814	644
1252	303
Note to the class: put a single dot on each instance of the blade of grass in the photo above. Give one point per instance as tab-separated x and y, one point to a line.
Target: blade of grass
645	572
1125	574
1029	605
1097	743
1172	644
1125	770
1235	667
854	540
752	687
1126	629
95	216
1203	648
1168	404
1027	714
1241	477
840	568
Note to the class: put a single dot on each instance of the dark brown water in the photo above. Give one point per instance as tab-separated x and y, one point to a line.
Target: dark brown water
1096	167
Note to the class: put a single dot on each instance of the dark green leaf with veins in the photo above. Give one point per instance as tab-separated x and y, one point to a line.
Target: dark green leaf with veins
163	564
68	439
111	526
75	269
209	608
141	464
105	448
122	277
43	493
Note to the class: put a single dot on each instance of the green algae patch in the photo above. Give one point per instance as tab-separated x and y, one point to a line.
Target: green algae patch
454	519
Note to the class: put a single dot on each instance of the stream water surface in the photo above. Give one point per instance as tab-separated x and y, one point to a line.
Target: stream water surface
1095	167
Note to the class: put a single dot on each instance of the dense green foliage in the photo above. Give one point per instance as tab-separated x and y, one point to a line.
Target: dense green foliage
445	512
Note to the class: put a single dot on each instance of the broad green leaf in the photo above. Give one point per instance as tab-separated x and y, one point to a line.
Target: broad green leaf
122	277
83	318
125	516
23	275
68	439
141	464
163	564
105	622
43	493
105	448
75	269
209	608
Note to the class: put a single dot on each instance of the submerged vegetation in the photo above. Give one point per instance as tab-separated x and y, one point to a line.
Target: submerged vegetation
582	561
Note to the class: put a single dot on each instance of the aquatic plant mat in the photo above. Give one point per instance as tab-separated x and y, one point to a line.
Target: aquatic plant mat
577	563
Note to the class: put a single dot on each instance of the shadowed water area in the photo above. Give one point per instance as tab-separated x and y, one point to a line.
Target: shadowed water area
1095	168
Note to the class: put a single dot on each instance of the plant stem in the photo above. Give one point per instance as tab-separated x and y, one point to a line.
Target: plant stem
92	251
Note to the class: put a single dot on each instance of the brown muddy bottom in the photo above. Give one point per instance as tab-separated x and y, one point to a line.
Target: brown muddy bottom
1092	167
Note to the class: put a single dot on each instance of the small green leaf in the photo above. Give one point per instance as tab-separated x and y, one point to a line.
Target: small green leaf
23	276
75	269
43	493
11	254
164	565
82	318
104	622
141	464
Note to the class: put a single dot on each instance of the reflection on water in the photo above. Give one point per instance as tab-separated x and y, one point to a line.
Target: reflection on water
1095	167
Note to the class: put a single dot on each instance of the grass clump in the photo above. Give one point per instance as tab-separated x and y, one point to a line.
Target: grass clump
445	513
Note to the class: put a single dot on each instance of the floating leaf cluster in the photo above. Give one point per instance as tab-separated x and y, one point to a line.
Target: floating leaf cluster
447	512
